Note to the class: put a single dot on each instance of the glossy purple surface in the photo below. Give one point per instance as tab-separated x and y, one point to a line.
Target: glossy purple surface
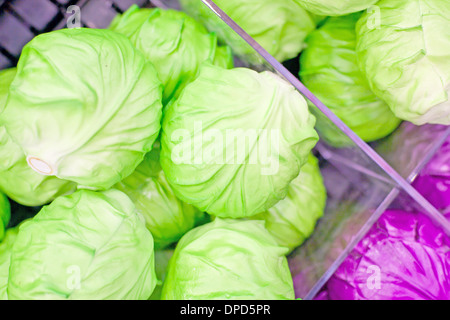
403	257
434	180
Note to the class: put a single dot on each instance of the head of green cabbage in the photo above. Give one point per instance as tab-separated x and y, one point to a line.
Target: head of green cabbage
89	245
174	42
5	258
17	180
228	259
85	106
234	140
329	69
403	49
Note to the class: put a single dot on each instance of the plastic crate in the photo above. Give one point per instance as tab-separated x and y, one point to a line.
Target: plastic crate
21	20
359	188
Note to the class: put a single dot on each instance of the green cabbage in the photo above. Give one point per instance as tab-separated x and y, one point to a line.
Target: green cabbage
21	183
17	179
234	140
228	259
166	217
6	77
5	257
84	106
5	214
174	42
88	245
278	26
406	57
162	258
335	7
329	68
292	220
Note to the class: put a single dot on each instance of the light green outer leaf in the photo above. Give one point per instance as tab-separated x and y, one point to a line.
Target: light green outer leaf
329	68
6	77
278	26
87	103
174	42
231	260
21	183
335	7
162	258
5	258
17	180
406	58
88	245
234	140
292	220
166	217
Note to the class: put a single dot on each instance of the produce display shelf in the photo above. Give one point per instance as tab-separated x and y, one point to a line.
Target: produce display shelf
359	189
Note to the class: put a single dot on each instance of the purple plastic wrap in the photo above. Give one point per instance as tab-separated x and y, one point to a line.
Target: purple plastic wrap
403	257
434	180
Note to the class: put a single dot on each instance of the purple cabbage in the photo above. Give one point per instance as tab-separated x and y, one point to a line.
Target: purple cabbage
434	180
403	257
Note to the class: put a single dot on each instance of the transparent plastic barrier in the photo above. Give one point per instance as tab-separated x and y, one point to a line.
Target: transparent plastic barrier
408	150
410	147
353	206
390	263
336	236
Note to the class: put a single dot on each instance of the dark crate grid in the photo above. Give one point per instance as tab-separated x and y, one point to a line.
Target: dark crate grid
21	20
